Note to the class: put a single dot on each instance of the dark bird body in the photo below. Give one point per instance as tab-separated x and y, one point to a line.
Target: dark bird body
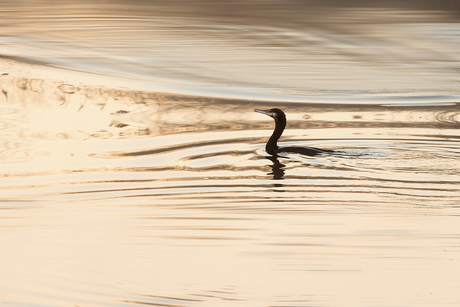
280	123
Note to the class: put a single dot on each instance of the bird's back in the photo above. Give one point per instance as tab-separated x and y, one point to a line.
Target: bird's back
307	151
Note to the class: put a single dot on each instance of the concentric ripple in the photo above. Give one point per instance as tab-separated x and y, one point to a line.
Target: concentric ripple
112	197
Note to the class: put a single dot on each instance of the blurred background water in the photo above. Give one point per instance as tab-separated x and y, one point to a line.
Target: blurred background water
134	171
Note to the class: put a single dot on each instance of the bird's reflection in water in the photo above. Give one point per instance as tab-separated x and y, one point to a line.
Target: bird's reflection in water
277	167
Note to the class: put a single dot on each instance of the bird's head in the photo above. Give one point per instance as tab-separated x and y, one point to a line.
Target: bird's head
274	113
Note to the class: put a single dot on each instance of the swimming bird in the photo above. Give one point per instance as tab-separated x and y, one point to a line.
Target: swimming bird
280	123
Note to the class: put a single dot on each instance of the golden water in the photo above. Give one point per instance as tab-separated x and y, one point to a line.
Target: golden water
115	196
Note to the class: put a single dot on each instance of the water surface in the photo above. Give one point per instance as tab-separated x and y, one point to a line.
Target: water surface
124	185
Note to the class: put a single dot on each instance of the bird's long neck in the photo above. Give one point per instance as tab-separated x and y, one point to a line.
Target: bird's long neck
280	124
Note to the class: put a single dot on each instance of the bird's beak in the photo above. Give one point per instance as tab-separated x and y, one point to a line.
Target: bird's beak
264	112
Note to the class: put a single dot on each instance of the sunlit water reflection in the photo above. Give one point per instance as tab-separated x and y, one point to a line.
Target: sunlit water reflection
265	51
115	196
118	197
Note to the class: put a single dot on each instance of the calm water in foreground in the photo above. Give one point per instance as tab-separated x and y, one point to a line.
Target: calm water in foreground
115	196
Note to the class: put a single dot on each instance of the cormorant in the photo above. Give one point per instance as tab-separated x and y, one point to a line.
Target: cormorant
280	123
